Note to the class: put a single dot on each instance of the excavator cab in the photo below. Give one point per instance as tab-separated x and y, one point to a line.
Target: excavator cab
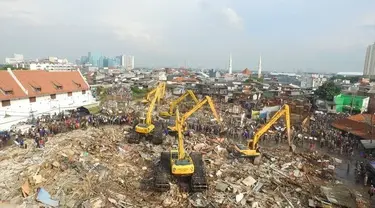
142	120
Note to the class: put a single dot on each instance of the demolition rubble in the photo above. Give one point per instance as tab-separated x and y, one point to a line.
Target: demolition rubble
96	167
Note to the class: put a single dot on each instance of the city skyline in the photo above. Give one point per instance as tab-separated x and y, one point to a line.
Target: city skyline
289	34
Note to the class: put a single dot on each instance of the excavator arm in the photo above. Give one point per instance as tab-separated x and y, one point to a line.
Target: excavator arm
149	95
181	149
252	144
180	99
152	106
208	100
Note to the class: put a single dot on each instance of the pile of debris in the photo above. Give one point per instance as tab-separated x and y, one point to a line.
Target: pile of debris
97	168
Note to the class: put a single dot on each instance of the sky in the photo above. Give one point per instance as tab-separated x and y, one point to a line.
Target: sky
290	35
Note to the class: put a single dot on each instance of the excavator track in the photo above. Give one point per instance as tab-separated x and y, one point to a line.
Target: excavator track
162	173
157	136
134	138
198	180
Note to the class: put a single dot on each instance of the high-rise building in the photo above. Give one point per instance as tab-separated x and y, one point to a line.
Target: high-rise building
130	62
95	59
126	61
369	66
260	67
111	62
84	60
122	60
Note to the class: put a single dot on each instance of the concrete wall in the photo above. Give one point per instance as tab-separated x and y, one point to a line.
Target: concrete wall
22	109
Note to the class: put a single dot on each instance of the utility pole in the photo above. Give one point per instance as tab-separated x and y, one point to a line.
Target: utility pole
351	105
372	126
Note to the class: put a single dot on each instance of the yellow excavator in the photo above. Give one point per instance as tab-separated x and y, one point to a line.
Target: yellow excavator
161	86
145	128
176	162
252	149
172	126
174	103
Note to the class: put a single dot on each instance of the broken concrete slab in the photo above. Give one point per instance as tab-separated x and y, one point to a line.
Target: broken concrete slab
239	197
221	186
249	181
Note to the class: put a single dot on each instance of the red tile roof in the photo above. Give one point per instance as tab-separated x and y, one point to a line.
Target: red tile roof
47	82
246	71
184	79
7	83
359	125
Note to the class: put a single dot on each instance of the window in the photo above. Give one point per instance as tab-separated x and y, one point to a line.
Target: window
53	96
8	92
36	87
83	92
77	84
32	99
57	85
5	103
69	94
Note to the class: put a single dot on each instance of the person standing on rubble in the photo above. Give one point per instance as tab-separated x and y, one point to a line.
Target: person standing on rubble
371	191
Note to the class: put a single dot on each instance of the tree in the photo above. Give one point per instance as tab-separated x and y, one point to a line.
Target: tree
328	90
5	67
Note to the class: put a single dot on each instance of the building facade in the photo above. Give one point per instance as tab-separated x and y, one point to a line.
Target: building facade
127	62
369	66
17	58
312	80
24	94
95	59
48	66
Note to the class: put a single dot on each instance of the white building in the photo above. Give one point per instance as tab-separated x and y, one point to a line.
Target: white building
17	58
369	66
25	93
127	62
58	60
313	80
47	65
318	80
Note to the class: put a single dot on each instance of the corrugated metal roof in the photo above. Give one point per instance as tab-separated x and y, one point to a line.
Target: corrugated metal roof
359	125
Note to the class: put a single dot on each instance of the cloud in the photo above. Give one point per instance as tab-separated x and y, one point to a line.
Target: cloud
233	17
352	35
20	9
288	33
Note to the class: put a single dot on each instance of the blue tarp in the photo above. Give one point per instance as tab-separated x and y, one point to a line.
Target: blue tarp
45	198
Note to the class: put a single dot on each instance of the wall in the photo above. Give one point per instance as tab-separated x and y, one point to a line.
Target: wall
22	109
49	66
371	106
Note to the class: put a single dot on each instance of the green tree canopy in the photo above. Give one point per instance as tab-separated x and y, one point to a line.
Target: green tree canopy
5	67
328	91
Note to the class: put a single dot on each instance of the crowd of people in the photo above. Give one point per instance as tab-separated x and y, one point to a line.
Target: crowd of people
47	125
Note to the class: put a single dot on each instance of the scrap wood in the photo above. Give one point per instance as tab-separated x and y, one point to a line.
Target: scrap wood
289	202
25	189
